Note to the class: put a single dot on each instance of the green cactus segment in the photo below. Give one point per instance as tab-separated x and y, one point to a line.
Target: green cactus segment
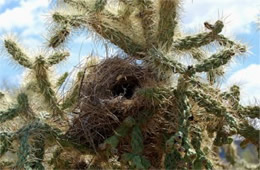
206	101
5	142
120	132
23	102
250	133
250	111
171	160
72	97
41	76
167	22
1	95
119	39
78	4
9	114
174	142
214	74
112	35
137	140
159	60
233	96
215	61
66	23
59	37
22	107
100	5
146	12
32	142
17	53
198	40
30	156
154	94
229	43
201	161
198	54
57	57
136	161
71	20
62	79
222	138
211	105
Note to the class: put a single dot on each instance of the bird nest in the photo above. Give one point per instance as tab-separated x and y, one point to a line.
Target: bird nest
114	90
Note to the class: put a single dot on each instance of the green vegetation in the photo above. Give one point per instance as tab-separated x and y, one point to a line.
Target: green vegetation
157	113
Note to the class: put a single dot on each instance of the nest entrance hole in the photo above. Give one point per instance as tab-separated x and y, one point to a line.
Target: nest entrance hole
125	87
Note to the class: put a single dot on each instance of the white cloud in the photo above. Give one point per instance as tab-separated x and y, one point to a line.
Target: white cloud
28	18
23	16
237	14
2	2
248	80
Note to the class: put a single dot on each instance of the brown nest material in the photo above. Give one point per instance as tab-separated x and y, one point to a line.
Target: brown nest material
108	95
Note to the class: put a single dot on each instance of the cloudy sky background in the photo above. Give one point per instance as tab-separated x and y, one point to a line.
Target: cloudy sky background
27	19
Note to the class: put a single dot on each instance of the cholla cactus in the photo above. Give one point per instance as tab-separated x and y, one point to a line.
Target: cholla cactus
141	117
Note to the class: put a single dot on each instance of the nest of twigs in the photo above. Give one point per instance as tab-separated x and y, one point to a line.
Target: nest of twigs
111	92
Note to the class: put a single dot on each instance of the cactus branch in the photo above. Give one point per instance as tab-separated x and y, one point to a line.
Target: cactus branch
41	75
62	79
59	37
198	40
57	57
215	61
17	53
22	107
167	22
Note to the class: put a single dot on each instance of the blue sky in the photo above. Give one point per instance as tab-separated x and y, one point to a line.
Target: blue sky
27	20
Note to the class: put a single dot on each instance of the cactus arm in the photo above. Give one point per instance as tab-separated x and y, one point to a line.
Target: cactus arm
119	39
250	133
159	60
5	142
167	22
137	140
213	74
215	61
71	98
59	37
250	111
62	79
100	5
41	76
198	40
17	53
201	160
145	14
112	35
57	57
10	114
212	106
112	142
22	107
30	155
66	23
78	4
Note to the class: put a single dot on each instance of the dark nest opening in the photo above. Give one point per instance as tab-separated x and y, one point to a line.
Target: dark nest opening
125	87
108	95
